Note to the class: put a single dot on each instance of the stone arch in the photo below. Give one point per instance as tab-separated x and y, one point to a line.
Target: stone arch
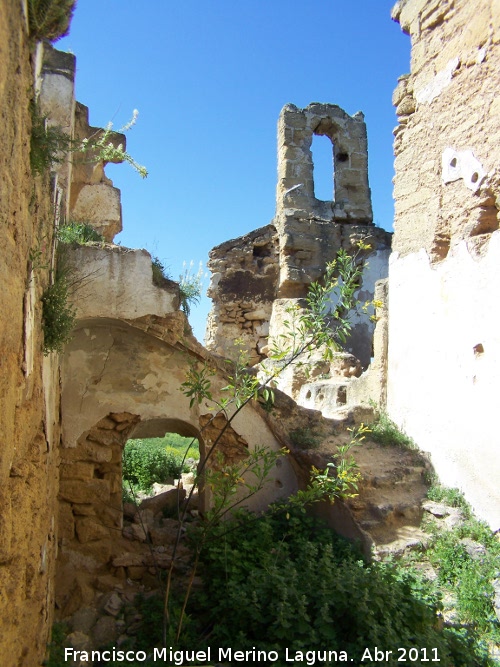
296	128
119	381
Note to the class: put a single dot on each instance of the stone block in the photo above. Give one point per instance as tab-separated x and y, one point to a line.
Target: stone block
66	522
115	481
99	204
106	423
77	491
89	529
166	534
79	471
136	572
294	119
168	501
104	631
86	451
84	619
111	604
104	436
258	314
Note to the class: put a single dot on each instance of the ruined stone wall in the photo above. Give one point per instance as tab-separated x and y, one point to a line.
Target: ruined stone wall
243	286
257	277
444	340
29	382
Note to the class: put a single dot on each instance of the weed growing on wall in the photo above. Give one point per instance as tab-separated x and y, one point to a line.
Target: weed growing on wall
190	287
49	144
49	19
386	432
74	231
100	147
161	277
58	315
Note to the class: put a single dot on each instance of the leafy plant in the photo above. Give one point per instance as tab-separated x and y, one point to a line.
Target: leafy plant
101	147
386	432
49	19
78	232
55	648
286	581
58	315
190	288
452	497
48	143
304	438
149	461
161	276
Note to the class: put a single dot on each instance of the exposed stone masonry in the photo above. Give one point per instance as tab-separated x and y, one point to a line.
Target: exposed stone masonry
243	286
257	277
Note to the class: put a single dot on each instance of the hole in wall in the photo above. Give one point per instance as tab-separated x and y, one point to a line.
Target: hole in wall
453	162
478	349
323	167
474	177
262	250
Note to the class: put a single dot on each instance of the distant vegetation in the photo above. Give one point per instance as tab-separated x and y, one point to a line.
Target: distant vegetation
156	460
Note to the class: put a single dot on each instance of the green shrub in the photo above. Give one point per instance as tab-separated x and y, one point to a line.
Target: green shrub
304	438
467	578
55	648
49	19
279	582
161	277
48	143
148	461
78	232
58	315
386	432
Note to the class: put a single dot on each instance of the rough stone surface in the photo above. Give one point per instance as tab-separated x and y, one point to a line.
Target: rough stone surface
29	382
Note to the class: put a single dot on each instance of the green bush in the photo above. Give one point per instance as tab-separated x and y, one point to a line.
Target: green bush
58	315
150	461
161	277
386	432
49	19
48	143
78	232
304	438
276	582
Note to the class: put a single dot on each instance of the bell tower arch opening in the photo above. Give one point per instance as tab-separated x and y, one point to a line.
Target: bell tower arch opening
322	149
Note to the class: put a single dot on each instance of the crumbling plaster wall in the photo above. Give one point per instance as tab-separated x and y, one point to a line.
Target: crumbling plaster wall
444	276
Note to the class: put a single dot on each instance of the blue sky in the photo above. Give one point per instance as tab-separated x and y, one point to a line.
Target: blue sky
209	78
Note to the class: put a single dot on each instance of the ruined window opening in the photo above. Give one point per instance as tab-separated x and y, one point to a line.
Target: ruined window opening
262	250
322	149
